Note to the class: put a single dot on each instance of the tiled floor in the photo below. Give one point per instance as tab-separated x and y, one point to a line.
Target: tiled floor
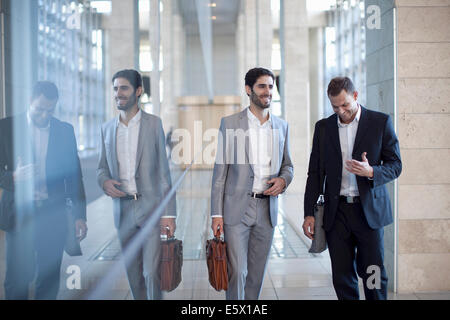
292	272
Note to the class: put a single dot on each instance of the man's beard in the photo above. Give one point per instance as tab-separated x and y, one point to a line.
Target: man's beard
130	103
40	122
255	99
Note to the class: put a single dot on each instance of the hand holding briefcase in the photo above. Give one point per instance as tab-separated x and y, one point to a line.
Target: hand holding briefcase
171	261
216	259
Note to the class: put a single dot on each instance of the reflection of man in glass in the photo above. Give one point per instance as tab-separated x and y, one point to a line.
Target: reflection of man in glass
39	172
134	171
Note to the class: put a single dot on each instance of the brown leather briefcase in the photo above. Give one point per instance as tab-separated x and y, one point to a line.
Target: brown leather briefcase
216	259
171	261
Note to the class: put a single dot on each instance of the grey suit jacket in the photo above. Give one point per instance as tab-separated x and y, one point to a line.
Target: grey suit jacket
152	169
233	175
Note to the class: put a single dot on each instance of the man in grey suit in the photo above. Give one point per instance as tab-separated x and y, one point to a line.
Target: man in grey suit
134	171
252	168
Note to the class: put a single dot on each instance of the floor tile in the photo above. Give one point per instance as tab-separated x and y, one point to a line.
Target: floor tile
302	280
433	295
292	272
305	293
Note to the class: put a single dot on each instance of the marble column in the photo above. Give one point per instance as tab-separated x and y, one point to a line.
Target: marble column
120	47
424	129
295	48
254	39
173	48
155	49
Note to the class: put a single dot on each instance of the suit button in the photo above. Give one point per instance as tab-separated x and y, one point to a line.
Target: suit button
335	197
251	177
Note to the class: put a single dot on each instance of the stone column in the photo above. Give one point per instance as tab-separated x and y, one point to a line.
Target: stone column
424	130
120	45
155	44
295	47
241	56
173	42
254	39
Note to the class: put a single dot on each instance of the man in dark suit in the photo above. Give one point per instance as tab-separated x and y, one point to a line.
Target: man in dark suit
40	175
360	155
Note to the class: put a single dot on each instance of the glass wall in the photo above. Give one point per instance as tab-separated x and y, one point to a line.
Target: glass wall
70	53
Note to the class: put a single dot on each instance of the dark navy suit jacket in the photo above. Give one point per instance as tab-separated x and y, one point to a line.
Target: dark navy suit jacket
375	136
63	171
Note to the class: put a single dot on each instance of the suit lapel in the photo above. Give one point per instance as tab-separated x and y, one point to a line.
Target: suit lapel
332	132
276	142
243	124
113	145
362	128
143	127
52	135
21	140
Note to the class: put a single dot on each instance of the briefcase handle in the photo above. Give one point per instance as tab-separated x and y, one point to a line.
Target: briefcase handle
218	235
165	237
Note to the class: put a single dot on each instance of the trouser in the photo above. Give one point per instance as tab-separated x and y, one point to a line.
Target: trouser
142	266
248	247
356	249
35	249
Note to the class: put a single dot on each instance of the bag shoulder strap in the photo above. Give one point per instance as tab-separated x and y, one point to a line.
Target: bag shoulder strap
322	176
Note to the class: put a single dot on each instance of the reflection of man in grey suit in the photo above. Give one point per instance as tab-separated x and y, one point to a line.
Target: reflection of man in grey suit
134	171
252	168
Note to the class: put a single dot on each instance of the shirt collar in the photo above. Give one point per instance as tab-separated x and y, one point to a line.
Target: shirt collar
253	118
134	121
357	117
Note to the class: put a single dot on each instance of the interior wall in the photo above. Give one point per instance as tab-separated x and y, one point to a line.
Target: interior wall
224	66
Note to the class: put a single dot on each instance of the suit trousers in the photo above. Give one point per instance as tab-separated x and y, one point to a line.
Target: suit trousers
248	247
35	249
141	268
356	249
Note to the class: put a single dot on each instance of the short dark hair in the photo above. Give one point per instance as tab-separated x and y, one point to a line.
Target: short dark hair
253	75
46	88
338	84
131	75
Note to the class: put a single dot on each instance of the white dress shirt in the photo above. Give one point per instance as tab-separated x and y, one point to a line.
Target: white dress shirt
39	141
260	151
347	135
127	141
